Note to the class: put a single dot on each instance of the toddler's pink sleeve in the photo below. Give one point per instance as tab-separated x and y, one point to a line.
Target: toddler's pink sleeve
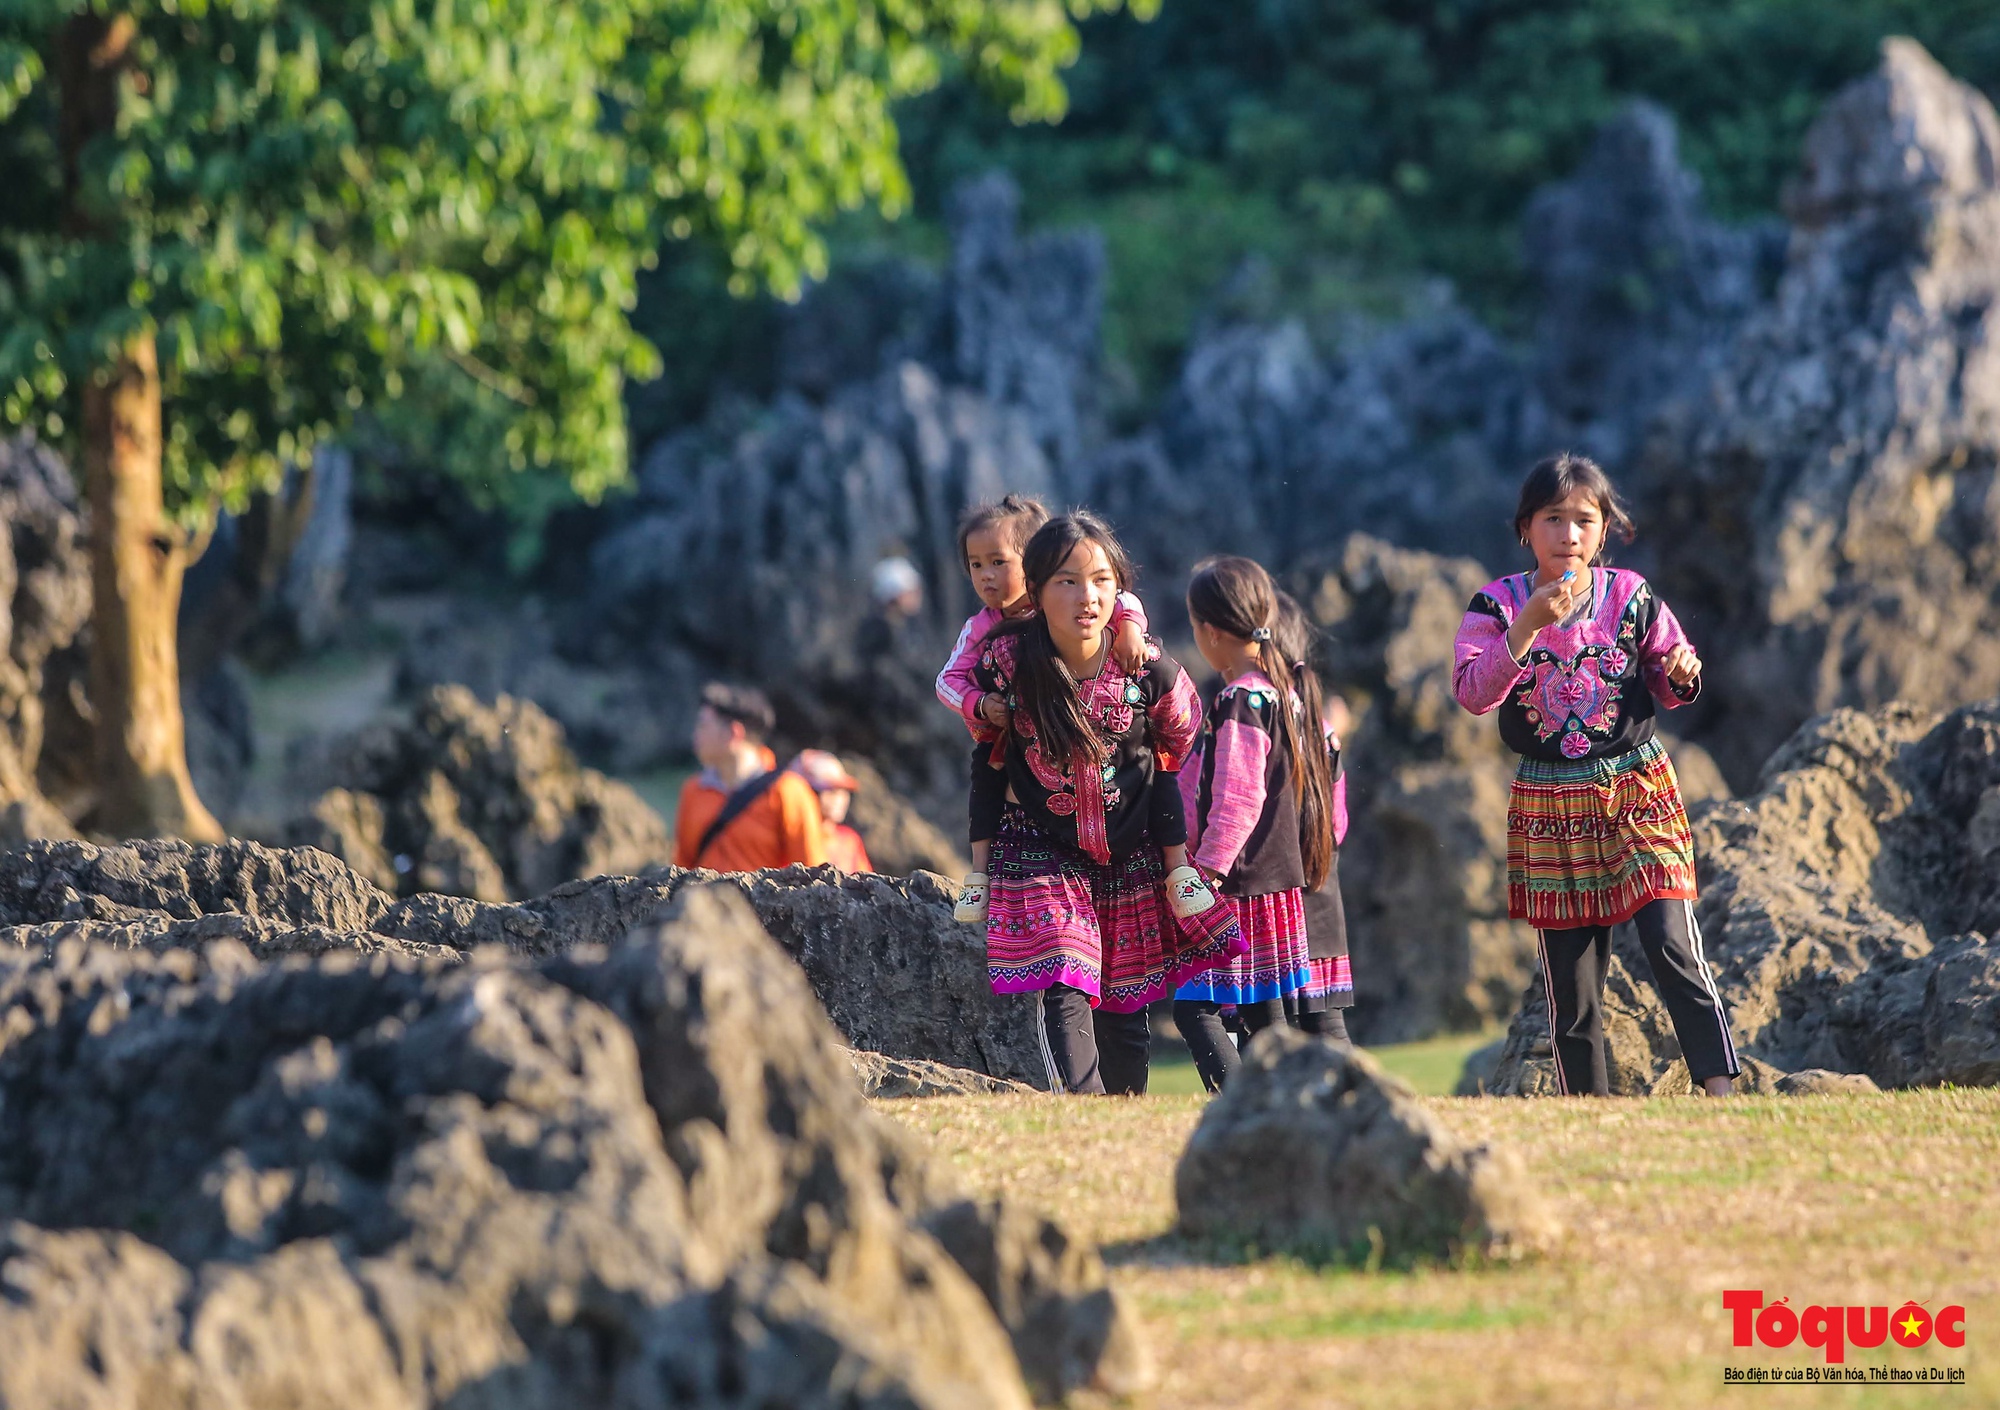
957	690
1127	608
1340	810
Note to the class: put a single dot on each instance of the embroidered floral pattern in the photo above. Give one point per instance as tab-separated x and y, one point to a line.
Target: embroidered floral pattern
1112	701
1577	672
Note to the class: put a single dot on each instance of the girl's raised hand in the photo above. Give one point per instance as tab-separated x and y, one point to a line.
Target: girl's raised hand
1551	602
993	709
1683	666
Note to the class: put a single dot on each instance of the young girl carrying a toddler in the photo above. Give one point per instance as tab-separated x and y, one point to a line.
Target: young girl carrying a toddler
990	542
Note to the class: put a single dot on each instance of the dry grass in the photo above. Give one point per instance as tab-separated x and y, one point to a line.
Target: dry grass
1669	1202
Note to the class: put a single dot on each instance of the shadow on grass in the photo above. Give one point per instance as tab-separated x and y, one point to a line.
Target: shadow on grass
1368	1255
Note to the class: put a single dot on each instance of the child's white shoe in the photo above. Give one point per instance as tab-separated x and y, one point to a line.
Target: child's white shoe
1188	893
971	907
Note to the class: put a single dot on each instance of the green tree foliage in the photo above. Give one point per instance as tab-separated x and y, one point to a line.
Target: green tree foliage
319	205
1349	140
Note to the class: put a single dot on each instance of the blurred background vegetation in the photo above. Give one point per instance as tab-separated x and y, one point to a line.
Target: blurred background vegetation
1333	158
1328	160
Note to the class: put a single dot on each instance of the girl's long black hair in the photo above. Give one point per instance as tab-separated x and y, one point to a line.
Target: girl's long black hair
1236	595
1044	689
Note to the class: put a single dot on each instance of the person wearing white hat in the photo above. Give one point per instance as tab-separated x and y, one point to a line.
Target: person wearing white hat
896	587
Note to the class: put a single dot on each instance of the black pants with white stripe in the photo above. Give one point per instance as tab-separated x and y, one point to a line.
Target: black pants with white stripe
1574	963
1094	1052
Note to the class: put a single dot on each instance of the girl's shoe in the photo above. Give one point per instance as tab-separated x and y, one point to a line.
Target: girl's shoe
971	907
1188	893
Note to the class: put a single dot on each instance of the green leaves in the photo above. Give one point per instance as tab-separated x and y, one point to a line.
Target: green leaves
438	208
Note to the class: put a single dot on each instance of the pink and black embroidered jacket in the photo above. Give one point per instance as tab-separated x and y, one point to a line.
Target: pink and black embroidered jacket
1242	802
1589	686
1148	720
957	686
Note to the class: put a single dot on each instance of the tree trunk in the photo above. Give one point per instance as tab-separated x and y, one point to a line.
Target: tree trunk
137	559
137	555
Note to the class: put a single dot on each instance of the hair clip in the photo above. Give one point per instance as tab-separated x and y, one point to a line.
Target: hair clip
1261	635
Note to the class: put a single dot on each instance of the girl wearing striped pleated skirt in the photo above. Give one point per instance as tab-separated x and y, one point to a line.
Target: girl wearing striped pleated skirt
1262	821
1576	658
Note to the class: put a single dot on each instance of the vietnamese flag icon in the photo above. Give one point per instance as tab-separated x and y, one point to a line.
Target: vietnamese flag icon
1911	1325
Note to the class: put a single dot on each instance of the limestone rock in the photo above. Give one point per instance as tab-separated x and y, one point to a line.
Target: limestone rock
1825	519
885	1077
895	972
1423	870
1639	287
1313	1147
480	800
1817	1081
1070	1328
44	608
332	1162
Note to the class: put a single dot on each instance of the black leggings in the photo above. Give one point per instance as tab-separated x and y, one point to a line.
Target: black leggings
1091	1051
1574	963
1216	1057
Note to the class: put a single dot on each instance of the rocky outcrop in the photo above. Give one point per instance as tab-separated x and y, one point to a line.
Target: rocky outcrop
1847	912
44	607
896	973
230	1182
1826	520
1640	290
1422	428
1312	1147
1424	869
885	1077
477	800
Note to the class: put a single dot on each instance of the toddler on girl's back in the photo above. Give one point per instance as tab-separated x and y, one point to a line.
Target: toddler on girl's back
990	539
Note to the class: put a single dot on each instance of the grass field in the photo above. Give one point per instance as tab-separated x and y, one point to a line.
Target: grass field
1667	1203
1432	1066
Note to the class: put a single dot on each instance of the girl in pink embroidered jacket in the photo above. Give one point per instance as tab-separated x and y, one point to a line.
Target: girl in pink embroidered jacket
1589	683
1079	909
1576	657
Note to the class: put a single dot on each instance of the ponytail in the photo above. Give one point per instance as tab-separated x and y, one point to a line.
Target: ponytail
1236	596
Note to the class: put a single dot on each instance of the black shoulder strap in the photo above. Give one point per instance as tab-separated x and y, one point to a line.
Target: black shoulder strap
734	806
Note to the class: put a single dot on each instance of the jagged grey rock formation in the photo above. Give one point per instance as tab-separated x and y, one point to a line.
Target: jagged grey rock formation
1312	1146
1826	519
1847	909
636	1176
477	800
897	975
44	607
885	1077
1640	289
1424	868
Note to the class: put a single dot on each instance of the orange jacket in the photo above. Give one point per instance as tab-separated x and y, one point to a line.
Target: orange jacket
782	827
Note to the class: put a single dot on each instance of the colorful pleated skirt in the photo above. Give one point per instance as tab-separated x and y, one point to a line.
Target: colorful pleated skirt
1275	962
1054	916
1590	841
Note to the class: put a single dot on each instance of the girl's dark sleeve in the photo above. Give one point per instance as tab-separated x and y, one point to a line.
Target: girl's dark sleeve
1166	813
989	794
